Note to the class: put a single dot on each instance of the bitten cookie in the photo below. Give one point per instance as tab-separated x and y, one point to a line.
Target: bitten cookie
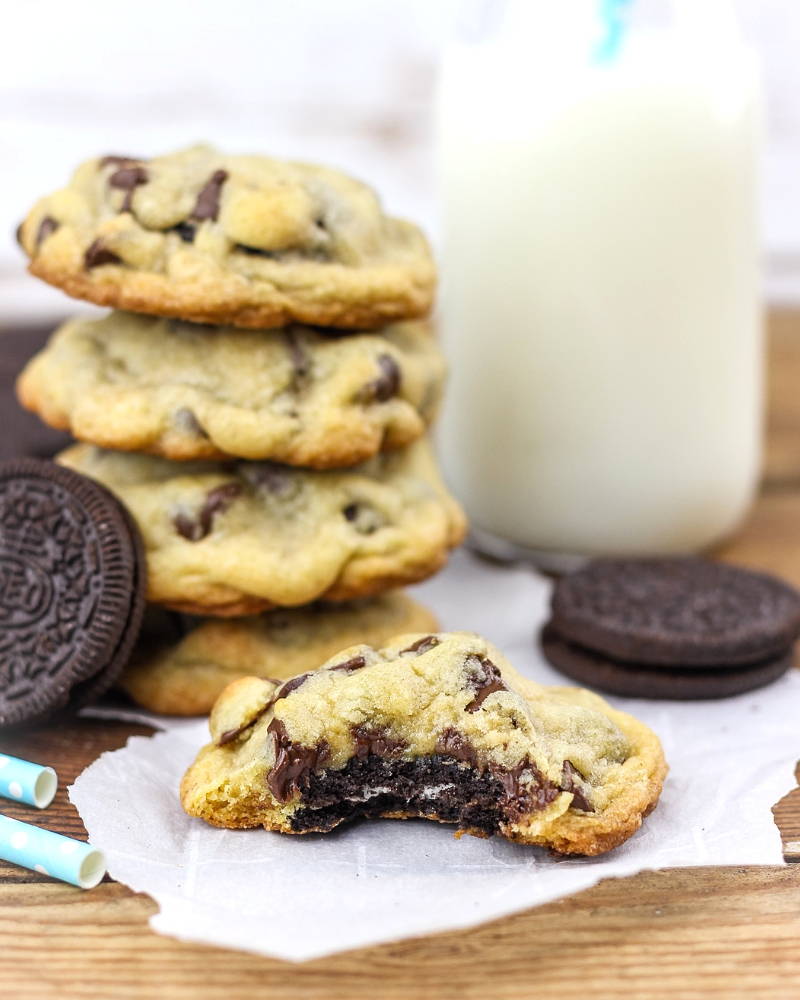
184	391
437	726
239	538
245	240
671	628
182	664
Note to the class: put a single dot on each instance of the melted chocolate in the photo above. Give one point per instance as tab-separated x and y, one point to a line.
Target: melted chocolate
216	501
452	744
355	663
422	645
207	206
374	741
46	227
572	781
230	734
386	385
519	799
99	254
484	680
294	763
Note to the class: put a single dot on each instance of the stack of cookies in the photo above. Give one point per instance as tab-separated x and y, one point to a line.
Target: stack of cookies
260	407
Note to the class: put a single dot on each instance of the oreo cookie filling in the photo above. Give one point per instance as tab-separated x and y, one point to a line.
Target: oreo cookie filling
436	787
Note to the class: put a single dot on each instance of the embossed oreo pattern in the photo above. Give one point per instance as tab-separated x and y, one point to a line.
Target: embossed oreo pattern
67	573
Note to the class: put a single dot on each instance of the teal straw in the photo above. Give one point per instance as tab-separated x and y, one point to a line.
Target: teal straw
51	854
611	14
22	781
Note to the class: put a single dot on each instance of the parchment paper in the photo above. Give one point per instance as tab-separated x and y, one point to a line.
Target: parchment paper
298	898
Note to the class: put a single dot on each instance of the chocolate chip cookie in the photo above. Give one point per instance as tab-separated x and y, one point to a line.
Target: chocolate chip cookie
438	726
185	391
242	537
182	663
242	240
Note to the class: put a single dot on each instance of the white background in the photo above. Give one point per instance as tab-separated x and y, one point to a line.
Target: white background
347	82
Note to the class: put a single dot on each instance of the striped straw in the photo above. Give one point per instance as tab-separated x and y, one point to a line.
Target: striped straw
612	17
51	854
25	782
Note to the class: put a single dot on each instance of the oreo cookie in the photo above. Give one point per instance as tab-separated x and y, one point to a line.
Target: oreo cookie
72	589
593	670
671	628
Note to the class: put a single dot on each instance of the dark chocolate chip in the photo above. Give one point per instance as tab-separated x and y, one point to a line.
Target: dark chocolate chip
187	421
207	206
364	518
292	685
230	735
255	251
301	363
216	502
294	763
422	645
186	231
386	385
128	179
99	254
377	742
275	479
46	228
120	161
453	744
355	663
484	680
572	781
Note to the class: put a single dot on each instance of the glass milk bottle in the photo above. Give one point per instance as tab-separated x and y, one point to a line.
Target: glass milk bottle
600	300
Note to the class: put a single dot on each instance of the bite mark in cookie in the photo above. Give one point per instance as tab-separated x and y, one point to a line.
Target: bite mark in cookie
394	738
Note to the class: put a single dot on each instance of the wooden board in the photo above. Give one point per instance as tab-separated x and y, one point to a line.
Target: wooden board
677	934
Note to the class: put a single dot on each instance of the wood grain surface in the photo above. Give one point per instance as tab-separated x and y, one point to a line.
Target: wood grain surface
678	934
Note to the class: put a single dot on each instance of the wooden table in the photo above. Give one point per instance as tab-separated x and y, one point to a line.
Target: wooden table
678	934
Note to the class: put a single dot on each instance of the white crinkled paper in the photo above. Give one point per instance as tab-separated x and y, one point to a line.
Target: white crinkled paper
302	897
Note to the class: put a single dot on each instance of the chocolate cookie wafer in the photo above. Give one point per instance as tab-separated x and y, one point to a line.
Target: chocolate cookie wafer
72	585
671	628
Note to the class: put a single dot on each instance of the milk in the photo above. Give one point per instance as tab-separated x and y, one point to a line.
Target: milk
600	307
